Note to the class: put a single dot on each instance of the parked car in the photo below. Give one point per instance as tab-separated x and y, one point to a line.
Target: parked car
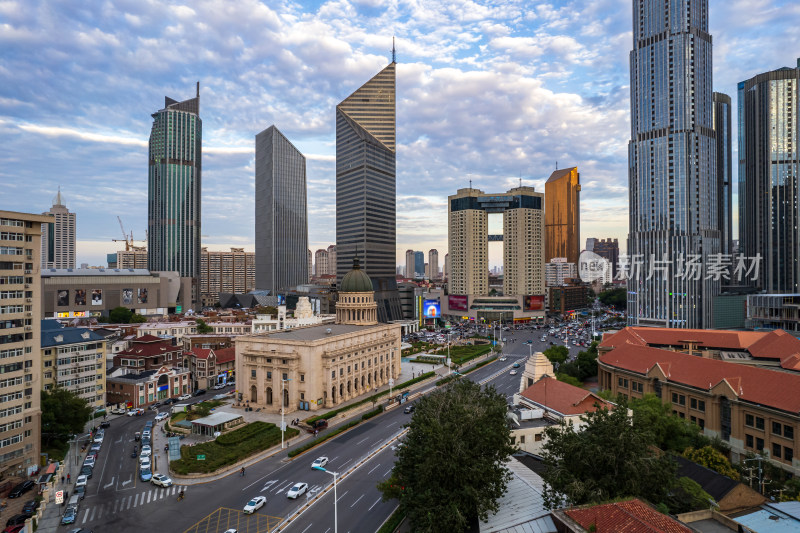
184	397
21	489
145	474
219	386
119	411
14	529
199	392
320	462
98	438
96	447
30	507
161	480
144	463
86	471
81	481
297	490
105	424
80	492
161	416
168	401
255	504
17	519
69	516
146	451
89	461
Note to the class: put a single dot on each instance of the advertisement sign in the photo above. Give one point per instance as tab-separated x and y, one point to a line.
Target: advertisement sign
80	297
127	296
163	387
63	297
97	297
457	302
59	497
431	309
281	299
534	302
142	296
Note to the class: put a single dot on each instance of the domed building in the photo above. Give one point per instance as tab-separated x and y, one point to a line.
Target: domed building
319	367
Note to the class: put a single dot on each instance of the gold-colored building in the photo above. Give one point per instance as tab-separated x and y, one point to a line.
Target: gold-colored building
20	350
562	215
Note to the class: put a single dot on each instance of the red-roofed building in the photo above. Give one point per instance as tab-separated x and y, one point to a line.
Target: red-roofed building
149	353
203	363
226	362
749	407
632	516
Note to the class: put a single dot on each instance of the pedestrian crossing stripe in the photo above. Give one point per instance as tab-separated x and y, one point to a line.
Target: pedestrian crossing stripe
129	502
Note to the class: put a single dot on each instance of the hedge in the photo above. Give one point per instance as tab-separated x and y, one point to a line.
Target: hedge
320	440
233	449
374	397
374	412
393	522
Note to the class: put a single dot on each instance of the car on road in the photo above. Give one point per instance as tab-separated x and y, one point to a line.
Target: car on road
161	416
144	463
69	515
21	489
513	372
409	409
17	519
161	480
86	471
515	365
146	451
184	397
98	438
231	531
155	406
119	411
81	481
168	401
219	386
198	392
14	529
89	461
145	474
297	490
503	358
30	507
105	424
80	492
255	504
80	530
320	462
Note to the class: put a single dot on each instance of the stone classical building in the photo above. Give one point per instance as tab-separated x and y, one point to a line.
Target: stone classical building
303	316
316	367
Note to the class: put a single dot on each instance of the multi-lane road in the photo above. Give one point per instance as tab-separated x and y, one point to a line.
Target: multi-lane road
117	500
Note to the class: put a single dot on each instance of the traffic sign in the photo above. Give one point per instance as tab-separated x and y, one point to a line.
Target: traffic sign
201	457
59	497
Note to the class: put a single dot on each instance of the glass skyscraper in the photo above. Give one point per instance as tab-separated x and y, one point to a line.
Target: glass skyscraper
174	185
674	222
722	129
769	165
366	188
281	213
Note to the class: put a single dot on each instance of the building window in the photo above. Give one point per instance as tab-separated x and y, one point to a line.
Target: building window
701	422
788	454
269	375
759	444
537	437
788	432
253	373
776	451
285	376
302	377
749	421
522	439
759	424
333	374
776	428
674	397
748	440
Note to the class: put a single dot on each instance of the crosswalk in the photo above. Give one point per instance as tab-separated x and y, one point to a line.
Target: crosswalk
89	513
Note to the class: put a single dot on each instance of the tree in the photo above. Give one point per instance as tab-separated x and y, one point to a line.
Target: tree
63	414
670	433
450	470
587	362
556	354
708	457
202	327
614	297
123	315
606	458
687	495
567	378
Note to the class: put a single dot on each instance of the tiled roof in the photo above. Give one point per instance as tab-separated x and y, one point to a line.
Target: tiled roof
562	397
632	516
148	348
62	336
225	355
148	338
201	353
771	388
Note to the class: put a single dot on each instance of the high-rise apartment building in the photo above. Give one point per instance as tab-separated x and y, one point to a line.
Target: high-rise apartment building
419	265
321	262
446	269
524	243
173	191
281	213
410	264
562	215
609	249
231	272
722	130
590	242
769	170
133	258
558	271
366	187
20	348
74	359
58	237
433	264
331	271
671	166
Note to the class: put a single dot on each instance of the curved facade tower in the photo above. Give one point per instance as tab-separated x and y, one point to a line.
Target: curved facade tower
674	224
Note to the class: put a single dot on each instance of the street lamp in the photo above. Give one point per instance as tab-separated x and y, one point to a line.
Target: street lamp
448	352
335	499
283	408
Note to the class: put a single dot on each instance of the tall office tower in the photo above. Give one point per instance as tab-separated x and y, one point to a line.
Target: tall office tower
366	187
446	269
609	249
562	215
524	243
433	263
174	187
671	166
231	272
419	265
281	215
769	170
467	242
310	265
410	264
331	271
722	129
320	262
20	341
58	238
590	242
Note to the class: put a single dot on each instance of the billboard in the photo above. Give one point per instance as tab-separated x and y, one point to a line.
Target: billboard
80	297
534	302
456	302
127	296
97	297
431	309
142	296
63	297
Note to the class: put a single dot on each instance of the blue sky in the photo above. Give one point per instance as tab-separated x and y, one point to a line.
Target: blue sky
488	91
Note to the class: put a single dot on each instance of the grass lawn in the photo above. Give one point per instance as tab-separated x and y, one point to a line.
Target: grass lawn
461	354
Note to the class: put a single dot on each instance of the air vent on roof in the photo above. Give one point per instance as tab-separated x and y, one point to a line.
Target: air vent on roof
328	331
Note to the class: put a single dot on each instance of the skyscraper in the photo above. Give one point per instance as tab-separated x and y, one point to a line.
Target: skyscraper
321	262
433	263
174	186
366	187
419	265
671	166
58	237
722	130
562	215
769	170
410	265
281	216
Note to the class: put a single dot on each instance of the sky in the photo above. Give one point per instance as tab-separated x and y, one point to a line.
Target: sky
490	92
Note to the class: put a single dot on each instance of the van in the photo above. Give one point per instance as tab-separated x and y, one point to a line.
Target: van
74	501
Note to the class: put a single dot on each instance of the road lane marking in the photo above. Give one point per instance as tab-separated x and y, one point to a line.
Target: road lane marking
306	529
85	515
355	502
362	440
283	488
378	442
342	496
373	468
93	509
115	506
268	484
135	503
130	500
109	484
374	504
344	463
126	482
332	460
387	472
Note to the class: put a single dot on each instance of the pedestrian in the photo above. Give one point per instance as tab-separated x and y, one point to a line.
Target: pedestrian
68	479
62	480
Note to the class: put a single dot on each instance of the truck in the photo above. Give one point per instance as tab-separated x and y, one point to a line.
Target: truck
180	408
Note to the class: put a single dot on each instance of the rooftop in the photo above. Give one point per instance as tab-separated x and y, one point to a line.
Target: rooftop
521	508
225	355
632	516
57	272
314	333
217	418
564	398
54	335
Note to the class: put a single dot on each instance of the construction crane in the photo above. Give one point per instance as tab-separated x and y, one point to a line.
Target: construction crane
127	239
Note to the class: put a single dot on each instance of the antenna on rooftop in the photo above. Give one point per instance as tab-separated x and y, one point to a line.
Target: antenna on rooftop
393	51
556	164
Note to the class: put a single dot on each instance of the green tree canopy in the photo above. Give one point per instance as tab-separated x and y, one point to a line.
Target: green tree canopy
686	496
63	415
202	327
557	354
617	298
450	470
670	433
123	315
708	457
608	457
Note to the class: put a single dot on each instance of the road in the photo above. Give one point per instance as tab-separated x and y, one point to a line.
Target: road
118	501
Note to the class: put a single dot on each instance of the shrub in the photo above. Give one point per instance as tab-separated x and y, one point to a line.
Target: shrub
320	440
393	522
244	433
374	412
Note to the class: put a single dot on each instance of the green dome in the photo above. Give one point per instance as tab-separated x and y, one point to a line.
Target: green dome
356	280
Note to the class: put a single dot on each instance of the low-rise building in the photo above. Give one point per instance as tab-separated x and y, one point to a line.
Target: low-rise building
149	353
203	364
190	342
168	329
629	516
557	271
135	389
74	359
303	316
570	297
774	311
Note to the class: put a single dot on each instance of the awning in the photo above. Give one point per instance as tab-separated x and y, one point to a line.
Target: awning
52	468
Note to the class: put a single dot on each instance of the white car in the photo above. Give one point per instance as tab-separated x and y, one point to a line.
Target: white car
161	416
513	372
118	411
231	531
161	480
98	438
297	490
144	463
219	386
255	504
320	462
184	397
81	481
146	451
503	358
89	461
